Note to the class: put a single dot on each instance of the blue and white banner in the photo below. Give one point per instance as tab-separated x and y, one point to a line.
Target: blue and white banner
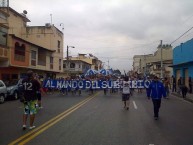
98	84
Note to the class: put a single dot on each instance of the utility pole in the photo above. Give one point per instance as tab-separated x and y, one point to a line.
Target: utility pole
108	63
67	57
67	60
161	59
145	70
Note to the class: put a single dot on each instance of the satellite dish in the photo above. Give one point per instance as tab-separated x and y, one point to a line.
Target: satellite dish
25	12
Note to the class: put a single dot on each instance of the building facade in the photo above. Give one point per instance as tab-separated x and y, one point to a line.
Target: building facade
96	64
24	47
183	62
76	68
151	64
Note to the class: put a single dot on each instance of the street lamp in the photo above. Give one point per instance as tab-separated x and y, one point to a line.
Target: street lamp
161	59
67	57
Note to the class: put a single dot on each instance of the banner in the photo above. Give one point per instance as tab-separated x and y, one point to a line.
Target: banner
98	84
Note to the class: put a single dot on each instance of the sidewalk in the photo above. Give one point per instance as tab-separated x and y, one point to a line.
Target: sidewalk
189	97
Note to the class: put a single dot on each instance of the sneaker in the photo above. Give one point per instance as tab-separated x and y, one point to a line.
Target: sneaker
127	108
24	127
156	118
31	127
41	107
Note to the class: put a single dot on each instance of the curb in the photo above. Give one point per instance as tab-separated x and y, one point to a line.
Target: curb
178	95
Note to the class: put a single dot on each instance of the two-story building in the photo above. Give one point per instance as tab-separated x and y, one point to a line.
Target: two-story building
75	68
96	64
24	47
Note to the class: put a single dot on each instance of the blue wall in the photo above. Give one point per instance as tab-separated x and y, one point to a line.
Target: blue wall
183	53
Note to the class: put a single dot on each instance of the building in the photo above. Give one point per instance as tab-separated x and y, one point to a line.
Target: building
151	64
96	64
76	68
24	47
183	61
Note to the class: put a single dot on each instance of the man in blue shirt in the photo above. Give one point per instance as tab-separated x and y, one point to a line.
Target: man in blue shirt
156	91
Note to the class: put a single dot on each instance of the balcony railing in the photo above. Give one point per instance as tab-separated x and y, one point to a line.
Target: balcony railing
19	57
4	53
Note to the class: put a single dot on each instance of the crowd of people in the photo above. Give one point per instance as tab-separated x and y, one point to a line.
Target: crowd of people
32	89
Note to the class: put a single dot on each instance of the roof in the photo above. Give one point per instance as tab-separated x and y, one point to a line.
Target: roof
51	25
78	61
21	15
181	64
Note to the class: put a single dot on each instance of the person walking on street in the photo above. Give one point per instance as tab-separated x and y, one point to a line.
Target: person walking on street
156	91
179	85
190	85
30	86
167	87
126	93
184	91
173	84
147	86
39	92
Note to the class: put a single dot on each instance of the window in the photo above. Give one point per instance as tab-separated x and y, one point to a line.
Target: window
3	16
3	36
64	65
33	58
60	64
1	84
19	53
58	44
41	57
72	65
51	62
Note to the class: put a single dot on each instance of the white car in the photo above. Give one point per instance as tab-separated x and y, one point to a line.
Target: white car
13	89
3	92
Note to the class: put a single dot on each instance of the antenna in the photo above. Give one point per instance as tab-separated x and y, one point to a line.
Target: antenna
51	18
25	12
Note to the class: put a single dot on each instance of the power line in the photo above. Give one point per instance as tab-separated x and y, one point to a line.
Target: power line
181	36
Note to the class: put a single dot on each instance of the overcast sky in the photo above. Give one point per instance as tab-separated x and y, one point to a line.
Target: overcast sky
113	30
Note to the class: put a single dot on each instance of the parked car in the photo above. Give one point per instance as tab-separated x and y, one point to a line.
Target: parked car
3	91
13	89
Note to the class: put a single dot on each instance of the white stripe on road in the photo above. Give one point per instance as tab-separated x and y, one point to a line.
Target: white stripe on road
135	106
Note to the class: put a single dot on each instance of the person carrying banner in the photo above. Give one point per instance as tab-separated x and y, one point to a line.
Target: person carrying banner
156	91
126	93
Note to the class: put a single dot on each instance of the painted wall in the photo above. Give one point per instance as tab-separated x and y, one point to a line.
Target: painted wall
183	53
183	60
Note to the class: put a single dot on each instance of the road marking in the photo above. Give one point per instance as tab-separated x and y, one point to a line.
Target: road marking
135	106
32	134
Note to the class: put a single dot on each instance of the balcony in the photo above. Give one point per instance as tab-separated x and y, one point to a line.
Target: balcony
4	53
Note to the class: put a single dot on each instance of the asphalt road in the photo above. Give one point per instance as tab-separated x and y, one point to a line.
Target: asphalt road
99	120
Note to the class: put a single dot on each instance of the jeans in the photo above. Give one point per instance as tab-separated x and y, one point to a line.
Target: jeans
156	106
